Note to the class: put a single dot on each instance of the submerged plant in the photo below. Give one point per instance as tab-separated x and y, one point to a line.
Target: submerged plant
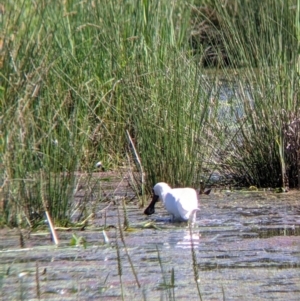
78	241
126	251
194	263
169	286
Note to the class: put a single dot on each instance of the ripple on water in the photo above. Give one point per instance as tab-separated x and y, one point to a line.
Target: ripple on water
246	247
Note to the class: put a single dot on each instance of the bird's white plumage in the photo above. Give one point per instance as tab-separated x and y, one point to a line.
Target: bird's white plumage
181	203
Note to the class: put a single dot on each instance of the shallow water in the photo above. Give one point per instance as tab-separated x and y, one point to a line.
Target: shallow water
247	247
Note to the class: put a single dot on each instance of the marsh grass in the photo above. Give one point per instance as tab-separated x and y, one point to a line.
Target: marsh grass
37	281
265	41
126	223
120	271
79	78
195	263
76	79
167	285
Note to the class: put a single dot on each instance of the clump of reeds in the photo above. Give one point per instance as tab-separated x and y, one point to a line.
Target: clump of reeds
78	79
260	115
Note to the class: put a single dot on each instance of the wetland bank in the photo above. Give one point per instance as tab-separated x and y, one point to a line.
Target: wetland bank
184	92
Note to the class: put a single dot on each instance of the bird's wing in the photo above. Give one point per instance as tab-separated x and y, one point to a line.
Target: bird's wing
187	201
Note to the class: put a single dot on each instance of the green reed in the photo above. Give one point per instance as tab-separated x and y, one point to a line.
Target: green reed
261	41
79	77
76	77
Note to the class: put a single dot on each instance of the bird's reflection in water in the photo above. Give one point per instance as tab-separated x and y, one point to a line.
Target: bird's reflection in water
183	239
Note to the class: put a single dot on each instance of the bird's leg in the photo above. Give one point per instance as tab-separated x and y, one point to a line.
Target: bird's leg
172	218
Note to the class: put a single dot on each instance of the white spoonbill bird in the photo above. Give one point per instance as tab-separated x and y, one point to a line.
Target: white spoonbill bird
181	203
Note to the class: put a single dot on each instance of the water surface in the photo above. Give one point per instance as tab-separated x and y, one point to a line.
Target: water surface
247	247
